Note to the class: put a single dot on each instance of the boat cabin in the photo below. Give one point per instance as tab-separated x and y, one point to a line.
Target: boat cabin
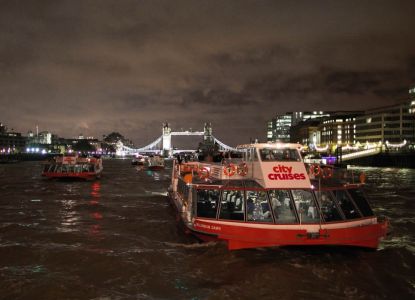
245	200
269	197
270	184
72	166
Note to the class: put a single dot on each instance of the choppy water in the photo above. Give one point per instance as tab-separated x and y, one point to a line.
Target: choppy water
117	238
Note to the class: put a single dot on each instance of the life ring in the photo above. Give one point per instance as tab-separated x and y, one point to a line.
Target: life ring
229	170
362	178
327	173
315	170
203	173
242	169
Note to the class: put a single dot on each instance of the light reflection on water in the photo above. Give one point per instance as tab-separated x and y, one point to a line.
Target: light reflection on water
117	238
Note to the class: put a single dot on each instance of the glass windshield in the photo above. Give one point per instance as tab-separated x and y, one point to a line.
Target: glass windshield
328	207
346	204
257	207
268	154
207	203
282	206
361	202
232	205
306	206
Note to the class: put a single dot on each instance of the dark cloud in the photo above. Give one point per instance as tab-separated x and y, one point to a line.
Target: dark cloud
221	98
99	66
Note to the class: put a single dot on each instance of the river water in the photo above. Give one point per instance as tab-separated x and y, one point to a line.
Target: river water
117	238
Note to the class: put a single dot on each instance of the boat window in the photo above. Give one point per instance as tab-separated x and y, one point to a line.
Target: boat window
306	206
207	203
361	202
257	207
346	204
232	205
245	152
65	168
78	168
328	207
251	153
268	154
282	206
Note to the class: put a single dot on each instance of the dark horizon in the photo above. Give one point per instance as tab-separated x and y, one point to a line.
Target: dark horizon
74	67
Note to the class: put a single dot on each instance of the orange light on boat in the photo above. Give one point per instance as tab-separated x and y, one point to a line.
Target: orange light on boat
188	178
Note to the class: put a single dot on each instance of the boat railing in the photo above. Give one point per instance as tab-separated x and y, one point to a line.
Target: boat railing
333	174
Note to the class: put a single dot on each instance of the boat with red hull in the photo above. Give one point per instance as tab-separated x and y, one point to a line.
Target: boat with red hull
73	167
155	163
271	198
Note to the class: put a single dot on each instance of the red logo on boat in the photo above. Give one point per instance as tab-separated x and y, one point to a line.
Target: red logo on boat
282	172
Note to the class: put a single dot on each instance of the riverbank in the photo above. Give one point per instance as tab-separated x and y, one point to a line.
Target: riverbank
386	159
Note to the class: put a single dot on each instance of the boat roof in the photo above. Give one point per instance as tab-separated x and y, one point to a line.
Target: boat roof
227	184
250	184
270	145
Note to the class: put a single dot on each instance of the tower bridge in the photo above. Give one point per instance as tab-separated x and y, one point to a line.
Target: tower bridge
163	145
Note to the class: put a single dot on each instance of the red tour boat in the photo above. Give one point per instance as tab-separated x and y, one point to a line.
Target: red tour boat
271	198
73	167
155	163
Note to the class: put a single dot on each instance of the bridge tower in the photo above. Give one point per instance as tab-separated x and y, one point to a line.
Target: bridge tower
166	139
207	136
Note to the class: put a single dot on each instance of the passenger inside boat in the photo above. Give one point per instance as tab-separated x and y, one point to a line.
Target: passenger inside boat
282	206
328	207
268	154
257	207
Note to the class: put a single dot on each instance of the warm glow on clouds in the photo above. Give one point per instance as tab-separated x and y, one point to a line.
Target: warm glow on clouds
93	67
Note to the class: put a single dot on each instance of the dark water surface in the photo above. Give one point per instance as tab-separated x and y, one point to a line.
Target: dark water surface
117	238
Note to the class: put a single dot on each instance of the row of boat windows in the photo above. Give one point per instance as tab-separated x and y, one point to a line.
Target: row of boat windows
269	154
282	206
60	168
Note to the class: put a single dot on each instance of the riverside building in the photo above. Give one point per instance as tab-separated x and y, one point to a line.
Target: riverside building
339	129
389	124
11	141
278	129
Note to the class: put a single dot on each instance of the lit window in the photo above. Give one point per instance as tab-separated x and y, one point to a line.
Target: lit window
369	120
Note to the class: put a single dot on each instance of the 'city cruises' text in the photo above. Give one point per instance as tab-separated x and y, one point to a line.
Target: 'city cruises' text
282	172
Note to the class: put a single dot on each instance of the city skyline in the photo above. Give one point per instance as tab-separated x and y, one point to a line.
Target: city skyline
74	67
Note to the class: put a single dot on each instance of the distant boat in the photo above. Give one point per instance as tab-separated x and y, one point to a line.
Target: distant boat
155	163
139	160
73	167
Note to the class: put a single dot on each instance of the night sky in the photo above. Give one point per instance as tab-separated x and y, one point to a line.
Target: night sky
93	67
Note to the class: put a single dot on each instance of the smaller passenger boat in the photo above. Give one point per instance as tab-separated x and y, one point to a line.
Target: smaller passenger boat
271	198
155	163
139	160
73	167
